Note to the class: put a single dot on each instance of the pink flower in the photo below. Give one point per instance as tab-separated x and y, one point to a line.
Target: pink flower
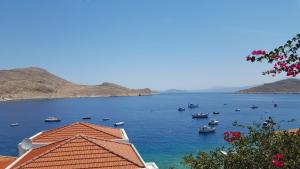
248	58
254	52
258	52
232	136
278	164
278	156
277	160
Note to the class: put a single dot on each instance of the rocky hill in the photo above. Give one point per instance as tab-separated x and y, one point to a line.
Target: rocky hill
35	83
282	86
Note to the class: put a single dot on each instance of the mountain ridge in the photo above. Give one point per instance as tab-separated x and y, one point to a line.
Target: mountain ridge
38	83
291	85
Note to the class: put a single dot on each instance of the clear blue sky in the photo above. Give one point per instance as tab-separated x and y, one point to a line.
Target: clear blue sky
159	44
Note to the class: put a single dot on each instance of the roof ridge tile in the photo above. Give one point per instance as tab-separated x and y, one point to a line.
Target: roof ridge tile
89	125
118	154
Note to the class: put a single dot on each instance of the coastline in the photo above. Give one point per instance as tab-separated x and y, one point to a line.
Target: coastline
267	93
73	97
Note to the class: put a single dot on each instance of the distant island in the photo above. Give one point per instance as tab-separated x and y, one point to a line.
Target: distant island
283	86
214	89
37	83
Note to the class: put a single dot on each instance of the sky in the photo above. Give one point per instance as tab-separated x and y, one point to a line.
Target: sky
160	44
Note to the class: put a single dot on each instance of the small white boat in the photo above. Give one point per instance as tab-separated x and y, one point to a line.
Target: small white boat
213	122
121	123
106	119
52	119
14	124
206	129
237	109
200	115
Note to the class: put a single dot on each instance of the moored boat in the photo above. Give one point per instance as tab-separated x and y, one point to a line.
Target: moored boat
52	119
181	109
216	112
275	105
200	115
14	124
213	122
86	118
206	129
254	107
268	123
192	106
121	123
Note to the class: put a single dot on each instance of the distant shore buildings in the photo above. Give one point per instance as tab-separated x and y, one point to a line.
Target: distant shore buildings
78	145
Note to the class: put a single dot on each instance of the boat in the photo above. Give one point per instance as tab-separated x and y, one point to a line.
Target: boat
254	107
121	123
181	109
237	109
216	112
106	119
52	119
275	105
268	123
192	106
206	129
213	122
86	118
14	124
270	120
200	115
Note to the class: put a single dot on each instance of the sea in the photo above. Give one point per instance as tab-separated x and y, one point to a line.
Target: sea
153	124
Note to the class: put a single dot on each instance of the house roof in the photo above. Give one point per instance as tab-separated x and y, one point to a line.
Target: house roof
5	161
78	128
82	151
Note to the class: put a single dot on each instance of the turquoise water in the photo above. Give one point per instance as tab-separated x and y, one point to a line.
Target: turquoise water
153	124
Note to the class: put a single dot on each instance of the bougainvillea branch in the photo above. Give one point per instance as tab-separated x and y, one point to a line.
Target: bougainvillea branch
284	58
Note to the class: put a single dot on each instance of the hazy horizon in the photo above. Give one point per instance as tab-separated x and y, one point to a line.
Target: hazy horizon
188	45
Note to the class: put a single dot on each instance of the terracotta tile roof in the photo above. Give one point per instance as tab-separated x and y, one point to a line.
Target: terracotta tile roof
5	161
78	128
82	152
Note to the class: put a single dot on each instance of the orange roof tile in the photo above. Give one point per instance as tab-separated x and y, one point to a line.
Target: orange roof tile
78	128
5	161
82	152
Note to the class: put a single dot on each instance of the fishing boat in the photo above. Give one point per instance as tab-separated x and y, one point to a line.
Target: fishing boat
254	107
200	115
121	123
213	122
181	109
192	106
106	119
14	124
207	129
237	109
216	112
52	119
86	118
